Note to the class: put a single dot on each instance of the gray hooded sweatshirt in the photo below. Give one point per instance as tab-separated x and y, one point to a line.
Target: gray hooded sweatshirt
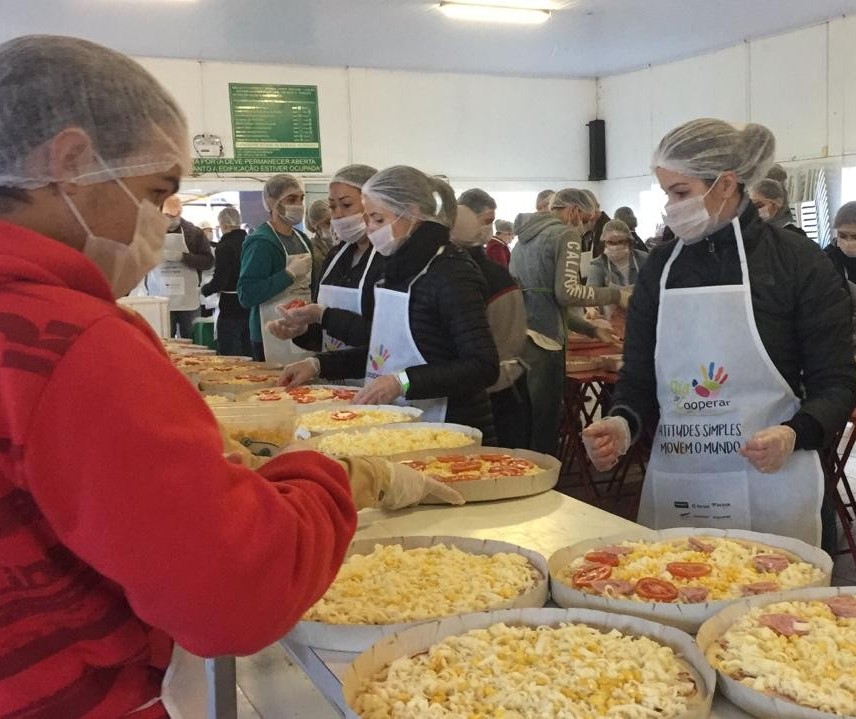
546	264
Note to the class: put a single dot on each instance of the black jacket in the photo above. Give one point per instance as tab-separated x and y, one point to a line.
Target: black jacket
449	325
348	327
227	267
801	309
845	266
591	239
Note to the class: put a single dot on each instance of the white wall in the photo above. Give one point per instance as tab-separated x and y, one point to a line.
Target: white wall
800	85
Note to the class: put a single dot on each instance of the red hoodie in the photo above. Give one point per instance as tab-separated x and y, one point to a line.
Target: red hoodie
121	525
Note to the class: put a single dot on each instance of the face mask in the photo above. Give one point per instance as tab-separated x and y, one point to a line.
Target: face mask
385	241
290	214
764	214
349	229
125	265
689	219
616	253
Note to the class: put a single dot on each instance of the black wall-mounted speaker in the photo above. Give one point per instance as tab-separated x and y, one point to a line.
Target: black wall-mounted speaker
597	150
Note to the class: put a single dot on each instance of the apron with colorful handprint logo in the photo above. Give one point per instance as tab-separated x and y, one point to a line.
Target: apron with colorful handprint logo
392	347
717	386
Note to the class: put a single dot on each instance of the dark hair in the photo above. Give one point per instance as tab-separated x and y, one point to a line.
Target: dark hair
477	200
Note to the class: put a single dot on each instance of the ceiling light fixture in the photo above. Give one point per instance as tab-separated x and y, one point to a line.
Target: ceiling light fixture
483	12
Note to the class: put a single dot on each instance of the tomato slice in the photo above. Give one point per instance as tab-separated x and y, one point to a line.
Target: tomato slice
459	467
509	471
269	397
296	303
343	415
452	458
344	393
689	570
602	558
299	390
656	589
495	457
304	399
585	576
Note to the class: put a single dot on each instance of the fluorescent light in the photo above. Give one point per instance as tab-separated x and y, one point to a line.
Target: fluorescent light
494	13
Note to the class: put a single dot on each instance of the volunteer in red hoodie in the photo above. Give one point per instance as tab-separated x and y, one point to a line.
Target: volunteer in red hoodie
123	530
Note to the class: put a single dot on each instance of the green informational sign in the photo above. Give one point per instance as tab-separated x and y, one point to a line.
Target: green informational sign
274	129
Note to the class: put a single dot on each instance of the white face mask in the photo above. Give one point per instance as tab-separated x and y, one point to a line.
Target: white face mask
349	229
764	214
617	253
125	265
384	240
291	214
689	219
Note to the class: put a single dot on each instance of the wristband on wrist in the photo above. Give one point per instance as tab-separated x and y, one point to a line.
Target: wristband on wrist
404	381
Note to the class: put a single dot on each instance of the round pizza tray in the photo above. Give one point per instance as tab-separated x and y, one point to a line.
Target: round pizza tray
419	639
750	700
474	435
687	617
414	413
358	637
490	489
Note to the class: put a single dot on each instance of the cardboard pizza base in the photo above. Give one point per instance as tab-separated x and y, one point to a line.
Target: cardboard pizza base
687	617
472	433
419	639
754	702
358	637
413	414
491	489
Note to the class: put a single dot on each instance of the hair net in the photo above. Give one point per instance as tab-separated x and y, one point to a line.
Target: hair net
504	226
354	175
626	215
317	213
412	194
593	198
571	197
616	227
277	186
477	200
846	215
769	189
707	147
229	217
544	196
50	83
777	173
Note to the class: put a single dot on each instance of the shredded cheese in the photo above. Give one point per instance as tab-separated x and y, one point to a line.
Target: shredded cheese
382	442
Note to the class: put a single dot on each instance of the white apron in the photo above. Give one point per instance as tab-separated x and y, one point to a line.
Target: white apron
175	280
277	350
342	298
717	386
392	347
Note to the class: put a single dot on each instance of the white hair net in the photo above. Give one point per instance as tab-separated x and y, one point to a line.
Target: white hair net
50	83
705	148
504	226
354	175
616	227
769	189
277	186
230	217
571	197
316	214
412	194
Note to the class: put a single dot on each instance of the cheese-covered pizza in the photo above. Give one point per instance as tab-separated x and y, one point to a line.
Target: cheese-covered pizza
309	394
688	570
572	670
464	467
393	584
382	441
800	651
325	420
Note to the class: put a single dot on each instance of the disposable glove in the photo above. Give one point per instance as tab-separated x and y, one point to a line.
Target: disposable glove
626	294
381	390
299	266
284	329
407	487
298	373
768	449
605	441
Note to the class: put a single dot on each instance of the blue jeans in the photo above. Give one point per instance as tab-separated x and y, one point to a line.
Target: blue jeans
546	383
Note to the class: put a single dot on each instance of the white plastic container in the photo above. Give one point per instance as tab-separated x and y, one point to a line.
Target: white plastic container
154	310
263	429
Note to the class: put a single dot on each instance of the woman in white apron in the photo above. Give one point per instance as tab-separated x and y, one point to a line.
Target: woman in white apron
276	266
340	318
430	342
739	339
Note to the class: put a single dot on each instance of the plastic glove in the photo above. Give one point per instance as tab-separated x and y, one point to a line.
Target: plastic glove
381	390
307	315
407	487
626	294
172	255
592	313
607	336
299	266
769	449
298	373
285	330
606	441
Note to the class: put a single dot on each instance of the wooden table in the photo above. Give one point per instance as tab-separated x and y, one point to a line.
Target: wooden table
545	522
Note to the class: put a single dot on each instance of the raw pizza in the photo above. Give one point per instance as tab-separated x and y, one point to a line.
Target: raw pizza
325	420
572	670
465	467
689	570
799	651
308	394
